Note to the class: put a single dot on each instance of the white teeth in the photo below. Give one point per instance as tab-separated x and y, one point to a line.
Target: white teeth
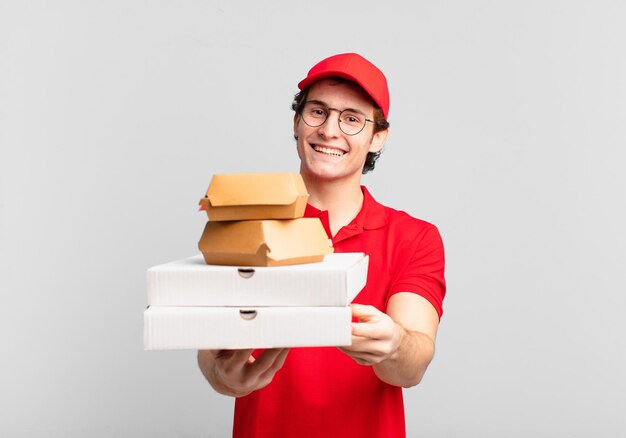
329	151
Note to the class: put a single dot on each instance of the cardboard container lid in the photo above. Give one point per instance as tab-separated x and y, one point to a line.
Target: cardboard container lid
249	196
264	242
335	281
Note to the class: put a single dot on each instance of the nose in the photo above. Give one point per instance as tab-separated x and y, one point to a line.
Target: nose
330	127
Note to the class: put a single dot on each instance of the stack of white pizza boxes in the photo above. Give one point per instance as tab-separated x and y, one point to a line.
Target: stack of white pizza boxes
266	277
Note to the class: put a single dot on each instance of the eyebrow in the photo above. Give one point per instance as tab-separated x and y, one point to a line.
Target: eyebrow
319	102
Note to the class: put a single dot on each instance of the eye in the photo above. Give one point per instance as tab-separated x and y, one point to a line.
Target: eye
318	112
351	118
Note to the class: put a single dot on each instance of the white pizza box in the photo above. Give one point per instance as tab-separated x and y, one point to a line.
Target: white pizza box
191	282
174	328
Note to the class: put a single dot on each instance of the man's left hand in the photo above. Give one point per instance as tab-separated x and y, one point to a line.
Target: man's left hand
375	337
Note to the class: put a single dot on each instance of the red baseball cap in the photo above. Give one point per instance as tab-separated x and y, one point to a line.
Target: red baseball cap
355	68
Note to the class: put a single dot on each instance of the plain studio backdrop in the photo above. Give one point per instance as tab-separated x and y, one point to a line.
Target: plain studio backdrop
507	131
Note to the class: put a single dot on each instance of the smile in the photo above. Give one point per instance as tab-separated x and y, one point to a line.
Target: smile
328	150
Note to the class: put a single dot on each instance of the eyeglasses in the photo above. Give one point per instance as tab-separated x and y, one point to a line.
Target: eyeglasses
350	122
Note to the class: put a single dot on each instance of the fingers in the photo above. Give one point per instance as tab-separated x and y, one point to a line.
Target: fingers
280	359
230	354
262	371
370	331
374	338
232	361
271	359
277	364
363	312
362	357
242	356
368	352
240	373
373	324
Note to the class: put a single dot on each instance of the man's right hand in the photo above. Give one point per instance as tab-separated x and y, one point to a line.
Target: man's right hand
237	372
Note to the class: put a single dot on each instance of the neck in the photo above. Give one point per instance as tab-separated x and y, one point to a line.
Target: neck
342	198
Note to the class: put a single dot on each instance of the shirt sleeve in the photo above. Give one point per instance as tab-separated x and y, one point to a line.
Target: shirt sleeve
422	270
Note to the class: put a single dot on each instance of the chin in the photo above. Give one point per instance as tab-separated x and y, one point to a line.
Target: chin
325	172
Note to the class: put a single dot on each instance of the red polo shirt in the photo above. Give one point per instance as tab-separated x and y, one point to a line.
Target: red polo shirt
321	392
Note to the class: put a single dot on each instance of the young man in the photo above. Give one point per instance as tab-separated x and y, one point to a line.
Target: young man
340	126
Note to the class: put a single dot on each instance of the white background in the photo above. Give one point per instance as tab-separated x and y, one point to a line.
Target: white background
508	132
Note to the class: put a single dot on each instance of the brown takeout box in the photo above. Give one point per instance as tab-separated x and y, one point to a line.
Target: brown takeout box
255	196
264	242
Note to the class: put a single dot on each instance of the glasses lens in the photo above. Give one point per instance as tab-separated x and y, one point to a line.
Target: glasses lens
351	123
314	115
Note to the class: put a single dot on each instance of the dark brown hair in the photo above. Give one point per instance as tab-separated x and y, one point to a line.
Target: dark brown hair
380	123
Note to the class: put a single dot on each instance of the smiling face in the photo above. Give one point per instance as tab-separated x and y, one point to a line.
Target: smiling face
326	153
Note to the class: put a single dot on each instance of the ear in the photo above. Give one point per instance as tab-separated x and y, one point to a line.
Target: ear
378	140
296	121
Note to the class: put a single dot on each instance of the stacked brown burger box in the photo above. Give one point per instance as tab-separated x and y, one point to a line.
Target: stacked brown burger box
266	277
255	219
